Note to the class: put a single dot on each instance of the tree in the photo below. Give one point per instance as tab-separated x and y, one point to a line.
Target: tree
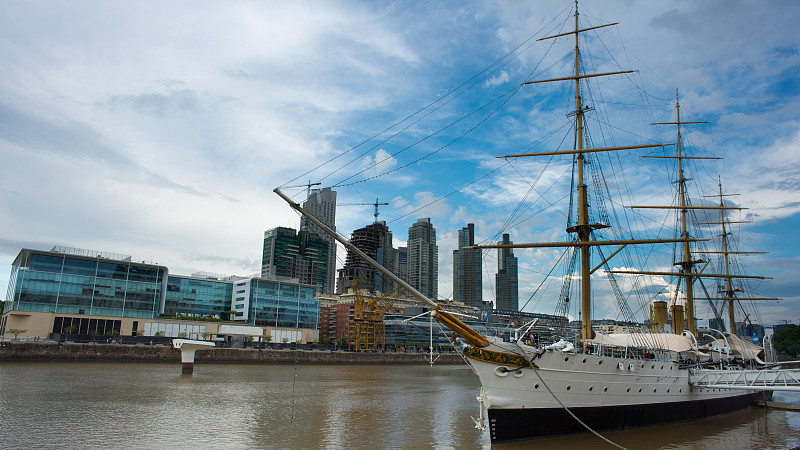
285	340
787	341
183	335
268	338
71	329
159	334
16	332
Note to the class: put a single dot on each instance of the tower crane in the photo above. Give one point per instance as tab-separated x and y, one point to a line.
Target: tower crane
376	204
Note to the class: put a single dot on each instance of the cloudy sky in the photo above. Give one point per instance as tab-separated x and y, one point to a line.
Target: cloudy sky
159	129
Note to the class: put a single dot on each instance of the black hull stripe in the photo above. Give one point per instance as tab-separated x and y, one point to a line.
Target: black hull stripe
515	424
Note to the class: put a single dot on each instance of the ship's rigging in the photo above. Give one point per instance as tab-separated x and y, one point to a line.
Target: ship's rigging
600	380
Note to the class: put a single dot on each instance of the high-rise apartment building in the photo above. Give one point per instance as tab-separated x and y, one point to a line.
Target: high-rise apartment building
375	241
467	270
321	203
423	258
401	263
289	254
506	280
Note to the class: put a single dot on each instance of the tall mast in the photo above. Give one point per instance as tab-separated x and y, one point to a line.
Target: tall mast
583	228
687	263
728	281
584	231
730	291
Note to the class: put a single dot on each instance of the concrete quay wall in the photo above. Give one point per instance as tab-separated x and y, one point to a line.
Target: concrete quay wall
30	352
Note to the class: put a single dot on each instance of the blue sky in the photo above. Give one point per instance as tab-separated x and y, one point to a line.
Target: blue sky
159	130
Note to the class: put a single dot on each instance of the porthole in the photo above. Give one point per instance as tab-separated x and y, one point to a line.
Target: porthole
628	390
653	366
605	389
590	388
501	371
569	387
662	367
680	390
654	391
667	391
640	389
600	362
566	359
584	360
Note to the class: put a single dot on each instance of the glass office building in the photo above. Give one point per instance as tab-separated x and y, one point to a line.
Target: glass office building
86	291
197	297
100	284
280	304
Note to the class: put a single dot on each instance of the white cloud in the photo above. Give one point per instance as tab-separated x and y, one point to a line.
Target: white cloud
162	135
378	164
500	78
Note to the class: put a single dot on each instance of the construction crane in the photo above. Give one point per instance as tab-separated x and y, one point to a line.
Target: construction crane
376	204
367	329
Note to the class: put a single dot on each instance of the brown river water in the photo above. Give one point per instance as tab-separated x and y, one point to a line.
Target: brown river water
141	405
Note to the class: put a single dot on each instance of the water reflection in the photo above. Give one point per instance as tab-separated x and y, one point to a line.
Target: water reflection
94	405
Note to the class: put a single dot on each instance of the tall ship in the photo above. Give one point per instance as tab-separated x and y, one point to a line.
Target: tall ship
580	379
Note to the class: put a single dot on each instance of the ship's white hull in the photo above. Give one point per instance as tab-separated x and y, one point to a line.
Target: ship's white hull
604	392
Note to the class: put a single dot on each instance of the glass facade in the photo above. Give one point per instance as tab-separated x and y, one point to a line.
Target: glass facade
66	284
193	297
273	303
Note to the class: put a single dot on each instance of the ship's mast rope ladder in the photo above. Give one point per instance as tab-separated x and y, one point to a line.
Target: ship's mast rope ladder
751	380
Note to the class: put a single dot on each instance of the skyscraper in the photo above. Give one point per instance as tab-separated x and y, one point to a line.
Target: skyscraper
321	203
423	258
289	254
467	270
376	241
506	280
401	263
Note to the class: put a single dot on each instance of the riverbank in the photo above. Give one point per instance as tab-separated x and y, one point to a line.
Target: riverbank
30	352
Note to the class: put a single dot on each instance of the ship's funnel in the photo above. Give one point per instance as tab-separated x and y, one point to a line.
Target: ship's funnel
677	319
659	315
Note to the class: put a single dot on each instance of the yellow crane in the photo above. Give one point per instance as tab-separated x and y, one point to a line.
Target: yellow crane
367	329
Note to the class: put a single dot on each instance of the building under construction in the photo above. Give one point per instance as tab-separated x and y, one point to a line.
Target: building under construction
376	241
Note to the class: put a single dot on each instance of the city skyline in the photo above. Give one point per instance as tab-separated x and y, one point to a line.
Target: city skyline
164	139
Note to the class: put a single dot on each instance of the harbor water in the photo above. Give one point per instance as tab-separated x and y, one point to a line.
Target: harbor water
143	405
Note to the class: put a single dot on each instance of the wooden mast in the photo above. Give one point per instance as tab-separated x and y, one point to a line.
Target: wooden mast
730	291
729	282
687	263
583	229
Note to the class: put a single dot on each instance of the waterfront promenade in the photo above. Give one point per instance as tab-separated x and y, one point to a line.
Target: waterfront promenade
44	351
